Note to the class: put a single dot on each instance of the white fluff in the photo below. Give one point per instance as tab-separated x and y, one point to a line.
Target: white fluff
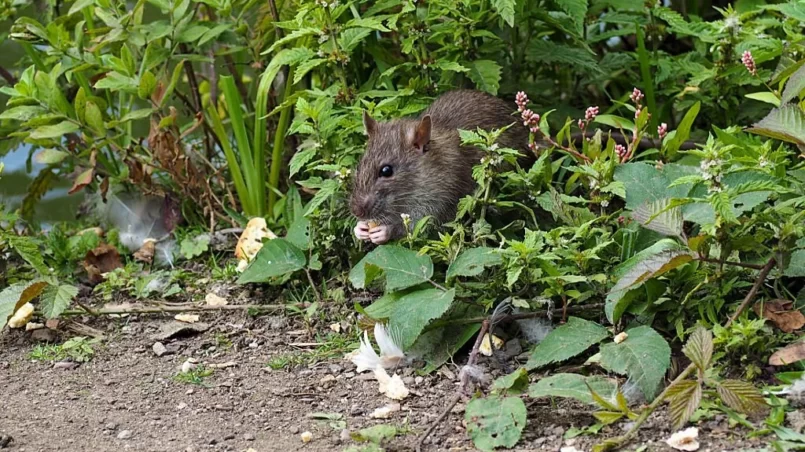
535	330
391	354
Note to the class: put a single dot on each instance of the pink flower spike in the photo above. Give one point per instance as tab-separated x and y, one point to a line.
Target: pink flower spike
581	124
621	151
749	62
521	100
662	130
636	96
590	114
637	113
535	129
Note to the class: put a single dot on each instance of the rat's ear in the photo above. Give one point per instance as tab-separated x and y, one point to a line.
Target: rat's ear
422	134
369	124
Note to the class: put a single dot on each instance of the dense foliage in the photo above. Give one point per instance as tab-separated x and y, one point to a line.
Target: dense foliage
658	221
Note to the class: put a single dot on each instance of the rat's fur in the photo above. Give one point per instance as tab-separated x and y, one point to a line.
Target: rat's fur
429	178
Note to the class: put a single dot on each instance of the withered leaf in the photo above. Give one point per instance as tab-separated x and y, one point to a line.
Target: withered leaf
146	252
82	181
782	314
788	355
102	259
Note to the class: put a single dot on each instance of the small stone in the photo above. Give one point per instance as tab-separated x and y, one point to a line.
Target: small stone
110	426
327	379
419	380
159	349
294	429
65	365
181	406
248	437
306	437
345	436
336	369
44	335
408	381
513	348
124	434
189	391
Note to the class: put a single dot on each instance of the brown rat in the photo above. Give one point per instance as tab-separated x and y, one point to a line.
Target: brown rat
418	167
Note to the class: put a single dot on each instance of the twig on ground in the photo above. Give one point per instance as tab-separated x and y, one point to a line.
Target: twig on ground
521	316
117	310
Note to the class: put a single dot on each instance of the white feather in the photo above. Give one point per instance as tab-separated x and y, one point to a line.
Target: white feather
367	358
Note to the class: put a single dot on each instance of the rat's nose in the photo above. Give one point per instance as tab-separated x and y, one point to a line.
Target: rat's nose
360	206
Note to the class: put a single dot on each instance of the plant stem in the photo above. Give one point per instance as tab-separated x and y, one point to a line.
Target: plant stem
279	142
313	286
761	278
510	317
737	264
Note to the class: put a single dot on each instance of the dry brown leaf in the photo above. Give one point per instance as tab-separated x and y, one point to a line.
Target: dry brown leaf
782	314
82	181
102	259
146	252
215	300
186	318
251	240
788	355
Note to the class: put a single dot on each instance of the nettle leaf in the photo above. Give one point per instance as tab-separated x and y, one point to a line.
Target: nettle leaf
699	348
495	422
438	345
574	386
683	399
577	10
566	341
645	183
28	249
796	265
300	159
659	216
55	299
351	38
516	382
305	67
786	123
471	262
644	356
277	257
403	268
16	295
326	191
741	396
486	75
375	434
506	10
409	313
549	52
794	85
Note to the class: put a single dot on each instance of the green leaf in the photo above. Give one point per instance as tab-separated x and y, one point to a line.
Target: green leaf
684	398
472	261
786	123
506	10
699	348
549	52
403	268
486	75
277	257
213	33
28	249
682	132
794	86
741	396
645	183
299	233
495	422
56	299
438	345
658	217
305	67
79	5
23	112
352	37
615	121
515	383
194	246
411	312
375	434
566	341
16	295
574	386
765	96
54	131
326	191
148	82
796	266
451	66
644	356
300	159
577	10
50	156
115	81
94	118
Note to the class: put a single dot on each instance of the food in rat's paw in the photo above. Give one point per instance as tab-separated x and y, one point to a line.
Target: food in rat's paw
417	166
372	224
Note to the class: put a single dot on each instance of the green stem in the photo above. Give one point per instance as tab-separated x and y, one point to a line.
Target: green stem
279	142
648	83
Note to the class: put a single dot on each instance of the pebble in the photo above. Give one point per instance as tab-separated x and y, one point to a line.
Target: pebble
294	429
419	380
248	437
159	349
336	369
124	434
110	426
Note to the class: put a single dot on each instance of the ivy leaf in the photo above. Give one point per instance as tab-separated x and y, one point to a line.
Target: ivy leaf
53	131
684	398
55	299
409	313
794	85
277	257
506	10
403	268
741	396
495	422
574	386
644	356
16	295
471	262
566	341
486	75
699	348
786	123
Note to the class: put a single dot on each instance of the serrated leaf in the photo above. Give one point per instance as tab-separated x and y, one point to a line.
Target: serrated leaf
722	205
515	382
683	400
786	123
326	191
796	265
350	39
506	10
495	422
486	75
375	434
472	261
409	313
403	268
566	341
699	348
305	67
549	52
658	217
574	386
277	257
300	159
451	66
644	356
28	249
794	85
16	295
741	396
55	299
293	36
54	131
645	183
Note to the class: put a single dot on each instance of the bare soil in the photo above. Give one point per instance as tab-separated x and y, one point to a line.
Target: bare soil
126	397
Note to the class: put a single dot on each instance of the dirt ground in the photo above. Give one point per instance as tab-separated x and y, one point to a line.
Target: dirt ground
126	397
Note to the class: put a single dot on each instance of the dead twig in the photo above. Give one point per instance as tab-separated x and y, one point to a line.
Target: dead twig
117	310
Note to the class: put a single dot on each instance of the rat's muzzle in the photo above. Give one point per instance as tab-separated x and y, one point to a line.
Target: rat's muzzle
361	205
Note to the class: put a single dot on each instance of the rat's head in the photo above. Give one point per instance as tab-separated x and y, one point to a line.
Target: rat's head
387	182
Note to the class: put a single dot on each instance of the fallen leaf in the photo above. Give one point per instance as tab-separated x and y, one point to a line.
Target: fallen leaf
788	355
179	329
486	345
782	314
251	240
215	300
52	324
146	252
187	318
102	259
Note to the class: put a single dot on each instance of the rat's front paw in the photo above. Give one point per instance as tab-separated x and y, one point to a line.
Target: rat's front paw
380	234
362	230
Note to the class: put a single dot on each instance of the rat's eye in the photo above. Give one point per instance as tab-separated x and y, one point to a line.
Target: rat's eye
386	171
